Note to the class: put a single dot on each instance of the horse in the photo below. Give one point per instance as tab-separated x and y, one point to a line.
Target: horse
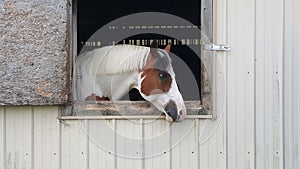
110	72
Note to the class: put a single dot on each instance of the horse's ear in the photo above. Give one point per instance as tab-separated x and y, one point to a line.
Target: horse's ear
154	44
168	48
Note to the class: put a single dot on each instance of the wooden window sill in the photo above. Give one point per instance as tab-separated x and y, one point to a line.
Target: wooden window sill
107	110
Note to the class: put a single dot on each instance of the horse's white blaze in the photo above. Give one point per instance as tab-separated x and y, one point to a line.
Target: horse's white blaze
176	96
162	99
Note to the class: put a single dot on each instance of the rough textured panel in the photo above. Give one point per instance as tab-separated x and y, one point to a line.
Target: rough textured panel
33	53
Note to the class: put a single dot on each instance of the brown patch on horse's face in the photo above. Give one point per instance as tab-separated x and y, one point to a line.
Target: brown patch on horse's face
155	81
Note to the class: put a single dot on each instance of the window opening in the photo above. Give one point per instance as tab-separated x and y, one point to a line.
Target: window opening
91	15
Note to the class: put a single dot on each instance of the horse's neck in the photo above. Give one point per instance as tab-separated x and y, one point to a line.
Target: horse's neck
110	71
116	86
116	59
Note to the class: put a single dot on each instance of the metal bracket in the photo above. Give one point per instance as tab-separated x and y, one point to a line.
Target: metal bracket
219	47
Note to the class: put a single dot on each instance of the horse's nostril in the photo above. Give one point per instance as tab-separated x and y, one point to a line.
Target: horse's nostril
171	110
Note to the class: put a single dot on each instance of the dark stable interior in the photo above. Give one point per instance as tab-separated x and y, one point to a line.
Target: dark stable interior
93	14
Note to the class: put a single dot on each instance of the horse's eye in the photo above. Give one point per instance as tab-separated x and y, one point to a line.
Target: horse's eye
163	76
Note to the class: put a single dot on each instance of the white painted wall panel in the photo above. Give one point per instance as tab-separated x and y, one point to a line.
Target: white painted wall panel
46	134
214	143
240	84
204	148
129	144
269	54
74	145
248	132
102	144
156	144
2	137
292	84
87	144
18	137
184	145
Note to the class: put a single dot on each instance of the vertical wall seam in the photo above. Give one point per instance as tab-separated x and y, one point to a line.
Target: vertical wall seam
87	124
254	90
296	140
32	136
293	82
226	83
283	84
255	81
197	142
171	149
4	137
59	139
143	144
115	144
282	87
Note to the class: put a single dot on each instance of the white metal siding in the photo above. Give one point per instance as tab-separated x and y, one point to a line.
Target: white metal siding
292	84
268	81
18	138
32	137
252	79
45	137
240	84
29	137
277	84
2	138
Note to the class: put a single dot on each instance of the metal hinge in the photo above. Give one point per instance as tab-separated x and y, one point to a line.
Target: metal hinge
219	47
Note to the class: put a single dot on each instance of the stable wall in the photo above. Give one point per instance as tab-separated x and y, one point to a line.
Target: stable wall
257	124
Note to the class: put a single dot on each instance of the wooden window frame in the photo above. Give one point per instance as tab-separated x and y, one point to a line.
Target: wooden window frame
201	109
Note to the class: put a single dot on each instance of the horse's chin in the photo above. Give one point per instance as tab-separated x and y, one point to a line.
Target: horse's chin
170	119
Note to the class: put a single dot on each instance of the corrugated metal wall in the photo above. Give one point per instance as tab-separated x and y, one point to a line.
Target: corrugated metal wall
240	83
291	79
257	123
32	137
269	56
277	82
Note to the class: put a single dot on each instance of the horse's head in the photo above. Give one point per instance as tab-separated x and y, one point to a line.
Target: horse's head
157	85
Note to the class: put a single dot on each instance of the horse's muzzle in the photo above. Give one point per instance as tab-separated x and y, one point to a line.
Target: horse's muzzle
171	110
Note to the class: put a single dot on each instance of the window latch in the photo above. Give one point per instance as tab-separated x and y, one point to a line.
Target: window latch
218	47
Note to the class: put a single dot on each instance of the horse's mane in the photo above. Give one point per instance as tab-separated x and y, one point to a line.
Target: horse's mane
114	59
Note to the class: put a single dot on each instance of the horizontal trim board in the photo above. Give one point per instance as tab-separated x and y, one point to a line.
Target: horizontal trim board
128	117
126	108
